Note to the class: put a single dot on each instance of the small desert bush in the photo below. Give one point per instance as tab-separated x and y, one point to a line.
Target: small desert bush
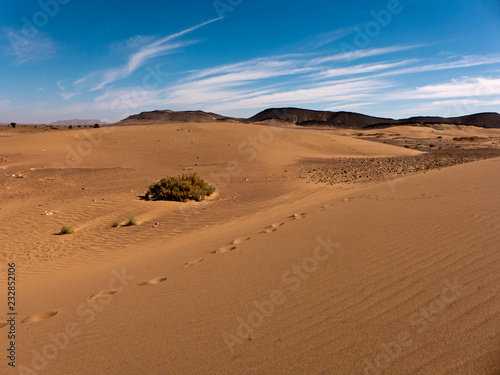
66	229
131	221
115	224
180	188
432	145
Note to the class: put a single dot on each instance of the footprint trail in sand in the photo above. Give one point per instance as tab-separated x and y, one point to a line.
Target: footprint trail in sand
39	317
154	281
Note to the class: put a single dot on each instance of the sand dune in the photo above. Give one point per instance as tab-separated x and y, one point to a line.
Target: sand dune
274	275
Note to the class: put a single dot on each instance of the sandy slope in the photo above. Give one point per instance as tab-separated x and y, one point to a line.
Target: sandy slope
399	277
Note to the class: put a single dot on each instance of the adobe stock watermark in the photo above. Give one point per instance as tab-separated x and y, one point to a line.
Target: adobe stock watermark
292	279
420	321
59	341
372	29
224	7
32	25
393	180
74	156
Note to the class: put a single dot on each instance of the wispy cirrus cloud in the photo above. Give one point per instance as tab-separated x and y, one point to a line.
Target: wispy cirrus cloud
465	87
292	79
362	53
36	48
145	49
64	92
463	62
362	69
447	108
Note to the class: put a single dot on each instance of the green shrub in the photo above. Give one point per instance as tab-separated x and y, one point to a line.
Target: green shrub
115	224
13	124
180	188
131	221
432	145
66	229
97	126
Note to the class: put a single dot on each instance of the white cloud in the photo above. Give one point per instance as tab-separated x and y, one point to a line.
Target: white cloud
350	106
64	92
291	80
361	53
466	87
448	108
23	49
341	91
464	62
146	50
361	68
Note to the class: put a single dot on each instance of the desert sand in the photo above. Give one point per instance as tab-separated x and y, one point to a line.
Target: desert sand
277	273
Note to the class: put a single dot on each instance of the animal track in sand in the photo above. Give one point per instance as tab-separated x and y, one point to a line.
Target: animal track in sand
104	293
240	240
224	249
39	317
193	262
154	281
297	216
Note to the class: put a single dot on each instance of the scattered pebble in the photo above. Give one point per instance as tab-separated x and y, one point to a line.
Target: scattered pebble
348	170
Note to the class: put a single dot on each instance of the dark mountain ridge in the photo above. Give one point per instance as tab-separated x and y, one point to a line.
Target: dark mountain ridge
312	118
351	120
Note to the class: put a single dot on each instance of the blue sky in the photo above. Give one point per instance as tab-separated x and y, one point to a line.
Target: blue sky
65	59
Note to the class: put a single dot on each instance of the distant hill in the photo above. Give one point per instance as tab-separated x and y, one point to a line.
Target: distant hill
307	117
350	120
76	122
166	116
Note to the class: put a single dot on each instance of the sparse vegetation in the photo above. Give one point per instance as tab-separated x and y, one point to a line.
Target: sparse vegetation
13	124
115	224
180	188
70	127
432	145
97	126
66	229
131	221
